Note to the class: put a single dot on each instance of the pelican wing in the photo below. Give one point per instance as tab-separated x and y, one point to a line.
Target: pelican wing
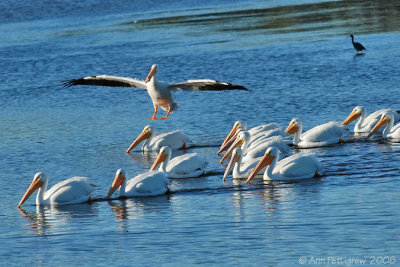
175	140
299	165
147	184
324	132
106	80
72	190
187	165
206	85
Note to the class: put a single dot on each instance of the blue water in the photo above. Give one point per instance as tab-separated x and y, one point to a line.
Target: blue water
297	63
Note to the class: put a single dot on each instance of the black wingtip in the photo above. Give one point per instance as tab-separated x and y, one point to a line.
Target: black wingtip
238	87
67	83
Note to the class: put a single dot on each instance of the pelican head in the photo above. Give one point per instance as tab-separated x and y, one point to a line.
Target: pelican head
357	112
165	152
385	119
153	71
242	137
270	154
38	181
236	155
145	134
293	127
120	177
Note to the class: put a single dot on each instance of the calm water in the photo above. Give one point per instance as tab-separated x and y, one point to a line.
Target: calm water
297	63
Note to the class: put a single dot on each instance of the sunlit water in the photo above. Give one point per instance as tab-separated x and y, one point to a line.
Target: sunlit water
297	63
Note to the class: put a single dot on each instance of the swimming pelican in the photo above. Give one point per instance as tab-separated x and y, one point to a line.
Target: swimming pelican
70	191
257	149
175	140
159	92
242	126
357	46
296	167
239	170
366	123
322	135
390	131
184	166
146	184
256	134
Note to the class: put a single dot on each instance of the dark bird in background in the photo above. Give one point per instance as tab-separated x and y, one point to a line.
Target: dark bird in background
357	46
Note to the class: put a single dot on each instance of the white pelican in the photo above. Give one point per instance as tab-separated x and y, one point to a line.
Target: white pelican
184	166
257	149
239	170
390	131
159	92
253	139
296	167
154	142
145	184
322	135
70	191
242	126
366	123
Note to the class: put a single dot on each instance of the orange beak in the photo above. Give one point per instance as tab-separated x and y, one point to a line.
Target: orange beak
118	180
263	163
150	75
352	117
236	144
231	163
382	122
292	128
227	143
35	185
160	159
143	136
231	133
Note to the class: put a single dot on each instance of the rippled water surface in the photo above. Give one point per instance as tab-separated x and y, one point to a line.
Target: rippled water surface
296	61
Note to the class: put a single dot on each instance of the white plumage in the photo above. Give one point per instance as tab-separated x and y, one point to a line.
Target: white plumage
257	148
184	166
146	184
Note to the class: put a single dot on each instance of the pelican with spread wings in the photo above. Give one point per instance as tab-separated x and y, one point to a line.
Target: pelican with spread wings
159	92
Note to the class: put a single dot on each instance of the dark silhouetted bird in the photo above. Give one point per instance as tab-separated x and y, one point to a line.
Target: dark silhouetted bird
357	46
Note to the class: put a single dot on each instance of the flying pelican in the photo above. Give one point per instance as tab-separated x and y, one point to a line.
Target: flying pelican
366	123
357	46
146	184
70	191
296	167
175	140
322	135
159	92
184	166
390	131
239	170
242	126
257	149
